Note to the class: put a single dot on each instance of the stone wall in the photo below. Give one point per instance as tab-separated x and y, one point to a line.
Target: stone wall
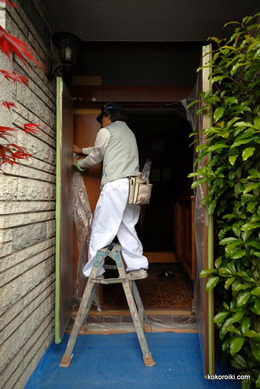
27	205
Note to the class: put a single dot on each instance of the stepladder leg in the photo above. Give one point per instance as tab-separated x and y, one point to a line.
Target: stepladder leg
82	313
132	296
84	307
134	302
141	311
147	356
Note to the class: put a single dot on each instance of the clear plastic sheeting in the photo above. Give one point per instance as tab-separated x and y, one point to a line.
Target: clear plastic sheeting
82	217
114	324
191	111
146	169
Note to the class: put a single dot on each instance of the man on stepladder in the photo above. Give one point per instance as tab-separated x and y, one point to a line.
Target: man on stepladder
116	146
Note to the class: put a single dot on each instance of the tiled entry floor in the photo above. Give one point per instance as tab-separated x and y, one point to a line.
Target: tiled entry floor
157	291
167	302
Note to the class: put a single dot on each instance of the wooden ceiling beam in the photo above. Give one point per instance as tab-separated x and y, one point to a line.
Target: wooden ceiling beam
129	95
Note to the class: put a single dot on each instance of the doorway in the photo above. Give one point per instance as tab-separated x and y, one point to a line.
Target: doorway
163	137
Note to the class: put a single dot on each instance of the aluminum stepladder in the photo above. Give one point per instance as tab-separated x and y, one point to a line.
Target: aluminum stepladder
132	296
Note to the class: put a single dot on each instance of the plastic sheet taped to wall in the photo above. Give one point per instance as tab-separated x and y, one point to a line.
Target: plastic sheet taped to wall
203	222
82	217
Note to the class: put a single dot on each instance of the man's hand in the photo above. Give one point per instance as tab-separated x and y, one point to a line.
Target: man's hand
77	149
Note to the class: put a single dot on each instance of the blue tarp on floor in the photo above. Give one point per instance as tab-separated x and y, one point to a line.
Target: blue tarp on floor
115	361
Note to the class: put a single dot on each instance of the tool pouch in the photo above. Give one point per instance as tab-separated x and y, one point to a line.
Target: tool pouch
140	190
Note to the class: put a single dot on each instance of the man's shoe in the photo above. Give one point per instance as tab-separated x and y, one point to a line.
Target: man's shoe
137	274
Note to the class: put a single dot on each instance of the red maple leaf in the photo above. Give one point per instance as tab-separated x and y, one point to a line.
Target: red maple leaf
10	44
4	131
12	153
31	128
8	104
10	3
20	153
14	76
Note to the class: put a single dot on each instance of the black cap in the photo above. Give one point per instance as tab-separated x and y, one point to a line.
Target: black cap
107	107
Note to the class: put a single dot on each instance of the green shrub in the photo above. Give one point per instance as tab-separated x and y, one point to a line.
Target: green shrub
232	176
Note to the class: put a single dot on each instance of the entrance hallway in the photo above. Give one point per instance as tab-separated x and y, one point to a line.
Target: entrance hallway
167	296
115	361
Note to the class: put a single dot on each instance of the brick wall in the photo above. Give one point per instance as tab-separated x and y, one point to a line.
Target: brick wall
27	205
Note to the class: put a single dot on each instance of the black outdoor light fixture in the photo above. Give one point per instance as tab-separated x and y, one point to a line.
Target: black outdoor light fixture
67	44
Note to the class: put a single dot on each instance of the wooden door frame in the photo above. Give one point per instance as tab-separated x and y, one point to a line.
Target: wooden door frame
153	96
64	217
132	96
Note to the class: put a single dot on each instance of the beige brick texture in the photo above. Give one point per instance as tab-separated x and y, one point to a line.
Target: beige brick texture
27	207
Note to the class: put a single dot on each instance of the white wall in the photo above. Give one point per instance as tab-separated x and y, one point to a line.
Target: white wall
27	211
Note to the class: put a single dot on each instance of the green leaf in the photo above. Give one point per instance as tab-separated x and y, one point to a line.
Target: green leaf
198	182
207	272
224	328
245	324
248	152
225	305
239	362
242	142
252	206
256	291
236	254
218	262
243	298
239	188
200	147
218	113
218	78
227	240
232	22
212	206
236	229
224	271
245	276
254	244
251	334
250	226
256	353
217	146
232	159
231	100
226	344
257	383
220	317
212	282
236	67
257	306
233	329
254	173
238	287
246	234
228	282
238	316
250	187
236	344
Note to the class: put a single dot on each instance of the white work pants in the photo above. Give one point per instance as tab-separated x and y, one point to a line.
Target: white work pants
115	217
